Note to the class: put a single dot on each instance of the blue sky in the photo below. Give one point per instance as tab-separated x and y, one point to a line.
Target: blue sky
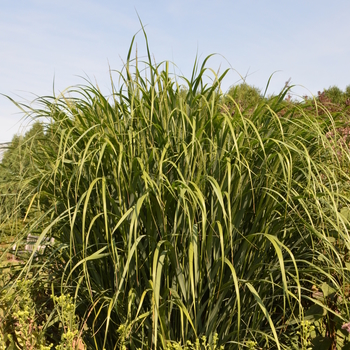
45	43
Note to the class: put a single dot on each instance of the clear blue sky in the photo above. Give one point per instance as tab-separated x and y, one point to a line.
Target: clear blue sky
45	41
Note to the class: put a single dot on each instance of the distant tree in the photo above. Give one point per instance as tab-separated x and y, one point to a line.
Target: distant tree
335	95
347	95
246	96
334	98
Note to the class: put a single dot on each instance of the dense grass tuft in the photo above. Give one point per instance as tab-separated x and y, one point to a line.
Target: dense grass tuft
177	214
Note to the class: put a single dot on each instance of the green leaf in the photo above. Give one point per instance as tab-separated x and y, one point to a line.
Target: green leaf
321	343
345	213
314	313
327	289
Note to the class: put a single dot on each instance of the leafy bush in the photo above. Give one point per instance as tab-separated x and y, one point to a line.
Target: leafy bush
20	329
17	170
244	95
337	96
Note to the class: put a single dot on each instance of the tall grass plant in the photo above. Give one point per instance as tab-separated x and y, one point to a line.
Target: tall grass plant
178	215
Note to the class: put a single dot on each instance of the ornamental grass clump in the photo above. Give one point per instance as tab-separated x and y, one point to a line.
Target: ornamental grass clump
178	216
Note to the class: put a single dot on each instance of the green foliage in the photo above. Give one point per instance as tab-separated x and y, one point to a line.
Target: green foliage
243	95
335	96
305	332
179	213
17	170
70	339
20	327
200	344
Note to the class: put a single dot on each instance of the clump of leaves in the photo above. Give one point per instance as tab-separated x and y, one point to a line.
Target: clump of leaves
243	96
20	327
200	344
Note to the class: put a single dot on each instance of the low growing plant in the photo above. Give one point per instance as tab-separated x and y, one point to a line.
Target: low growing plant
20	327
